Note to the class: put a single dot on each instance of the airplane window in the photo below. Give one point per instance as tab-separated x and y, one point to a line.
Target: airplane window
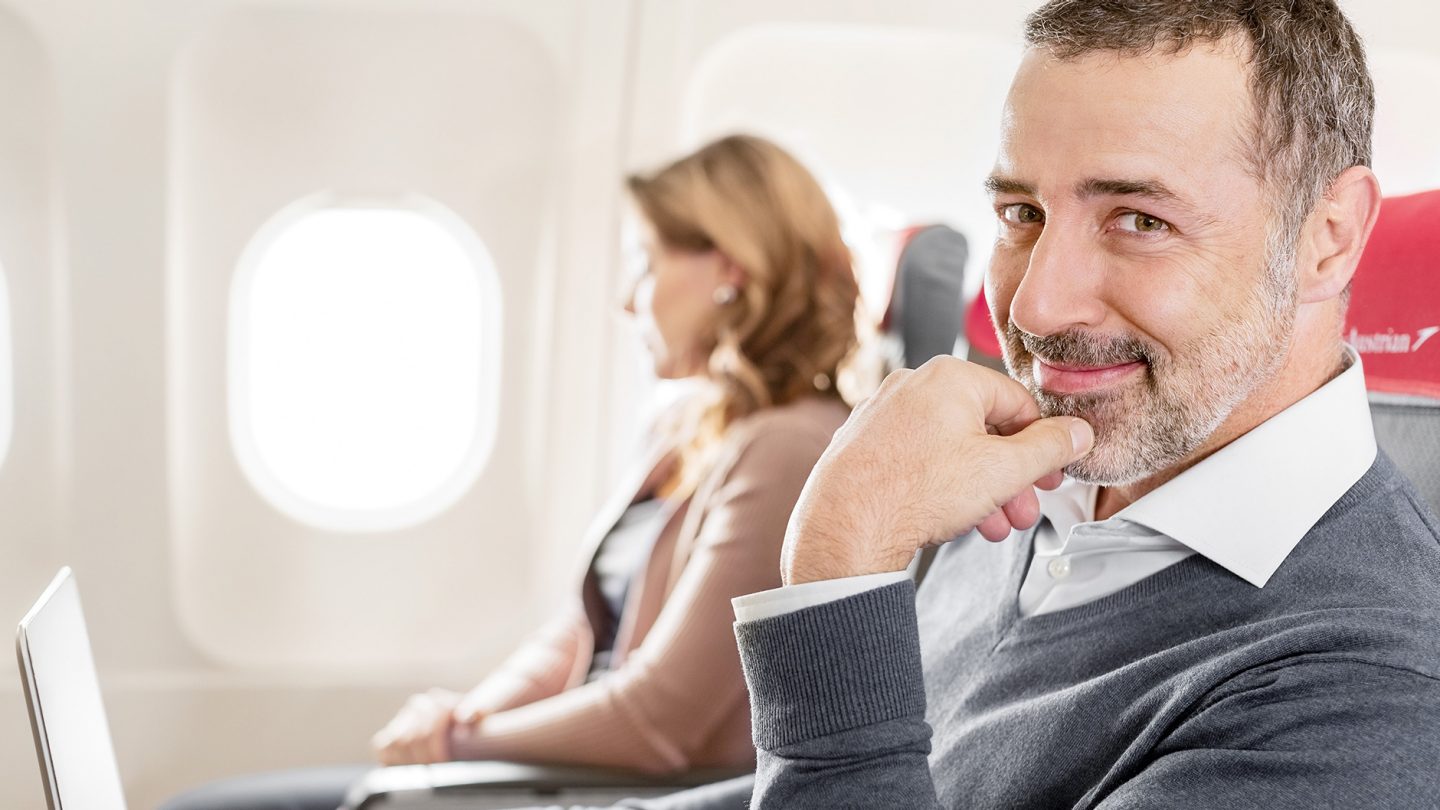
363	353
7	387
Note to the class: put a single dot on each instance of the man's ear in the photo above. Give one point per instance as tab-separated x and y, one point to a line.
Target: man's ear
1336	234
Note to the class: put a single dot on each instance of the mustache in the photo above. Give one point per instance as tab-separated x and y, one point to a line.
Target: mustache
1082	348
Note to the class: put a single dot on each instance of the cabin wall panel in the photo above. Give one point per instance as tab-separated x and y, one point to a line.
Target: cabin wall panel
33	467
1407	119
271	106
116	73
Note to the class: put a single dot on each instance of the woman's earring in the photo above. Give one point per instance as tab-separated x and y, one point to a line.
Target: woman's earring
726	294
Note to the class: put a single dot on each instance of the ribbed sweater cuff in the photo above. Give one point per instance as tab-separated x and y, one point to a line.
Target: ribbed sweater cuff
833	667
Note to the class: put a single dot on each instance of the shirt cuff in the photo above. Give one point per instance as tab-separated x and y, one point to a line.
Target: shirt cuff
779	601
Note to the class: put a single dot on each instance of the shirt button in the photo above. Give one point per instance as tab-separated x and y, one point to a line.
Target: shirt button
1059	568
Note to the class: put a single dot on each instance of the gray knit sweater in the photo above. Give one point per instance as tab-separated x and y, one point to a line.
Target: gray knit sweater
1190	689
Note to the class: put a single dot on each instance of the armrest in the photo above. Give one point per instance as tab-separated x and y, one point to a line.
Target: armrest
417	784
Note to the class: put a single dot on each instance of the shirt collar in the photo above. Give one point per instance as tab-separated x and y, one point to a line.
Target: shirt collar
1246	506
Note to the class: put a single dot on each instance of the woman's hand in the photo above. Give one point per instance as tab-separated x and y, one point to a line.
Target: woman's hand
472	707
420	732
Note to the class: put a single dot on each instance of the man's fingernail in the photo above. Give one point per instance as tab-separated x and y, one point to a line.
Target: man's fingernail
1082	436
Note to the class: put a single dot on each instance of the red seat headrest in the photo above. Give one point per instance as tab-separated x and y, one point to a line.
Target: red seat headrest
1394	318
980	328
887	320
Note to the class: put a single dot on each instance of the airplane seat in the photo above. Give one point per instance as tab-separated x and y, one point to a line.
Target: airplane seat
980	334
1394	323
926	316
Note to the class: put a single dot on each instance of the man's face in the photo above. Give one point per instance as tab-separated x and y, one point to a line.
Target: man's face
1131	279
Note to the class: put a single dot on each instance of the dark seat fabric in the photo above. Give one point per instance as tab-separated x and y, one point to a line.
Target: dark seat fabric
926	311
299	789
732	794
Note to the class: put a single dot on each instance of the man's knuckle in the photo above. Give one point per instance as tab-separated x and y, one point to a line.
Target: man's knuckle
895	379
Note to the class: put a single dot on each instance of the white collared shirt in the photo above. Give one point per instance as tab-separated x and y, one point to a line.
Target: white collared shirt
1244	507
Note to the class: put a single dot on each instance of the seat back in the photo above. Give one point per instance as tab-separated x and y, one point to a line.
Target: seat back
1394	323
980	330
926	313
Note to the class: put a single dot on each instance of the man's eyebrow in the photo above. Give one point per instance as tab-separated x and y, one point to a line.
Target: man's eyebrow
1150	189
1097	187
996	184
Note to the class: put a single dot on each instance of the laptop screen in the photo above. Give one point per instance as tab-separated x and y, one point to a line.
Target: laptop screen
72	736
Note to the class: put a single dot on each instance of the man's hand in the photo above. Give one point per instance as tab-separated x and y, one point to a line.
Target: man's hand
938	451
420	733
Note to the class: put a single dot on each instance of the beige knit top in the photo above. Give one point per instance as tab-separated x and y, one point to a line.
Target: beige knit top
675	698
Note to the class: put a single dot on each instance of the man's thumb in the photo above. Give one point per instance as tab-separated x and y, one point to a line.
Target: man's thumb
1053	443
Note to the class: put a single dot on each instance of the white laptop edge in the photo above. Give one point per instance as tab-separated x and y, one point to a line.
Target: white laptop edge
32	697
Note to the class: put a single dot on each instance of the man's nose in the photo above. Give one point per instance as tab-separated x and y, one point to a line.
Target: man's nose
1061	289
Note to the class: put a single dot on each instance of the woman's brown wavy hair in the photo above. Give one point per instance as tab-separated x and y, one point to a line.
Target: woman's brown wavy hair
793	324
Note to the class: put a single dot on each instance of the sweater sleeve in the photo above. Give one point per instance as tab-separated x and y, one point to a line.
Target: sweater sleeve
838	704
1328	734
683	681
540	669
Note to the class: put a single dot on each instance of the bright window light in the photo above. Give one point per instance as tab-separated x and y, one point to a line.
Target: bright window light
7	377
364	362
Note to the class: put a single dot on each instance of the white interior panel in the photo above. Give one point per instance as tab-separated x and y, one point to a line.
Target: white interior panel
32	406
1407	119
272	105
682	39
7	377
32	416
901	125
33	369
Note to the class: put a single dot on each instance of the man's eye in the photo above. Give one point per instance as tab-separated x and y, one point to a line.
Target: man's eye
1021	214
1136	222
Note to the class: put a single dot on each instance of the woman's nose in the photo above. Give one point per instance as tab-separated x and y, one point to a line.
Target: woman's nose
627	300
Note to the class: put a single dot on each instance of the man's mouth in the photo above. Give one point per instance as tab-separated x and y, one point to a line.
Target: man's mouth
1068	378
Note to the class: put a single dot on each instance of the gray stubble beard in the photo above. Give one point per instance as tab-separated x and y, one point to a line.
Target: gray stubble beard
1171	412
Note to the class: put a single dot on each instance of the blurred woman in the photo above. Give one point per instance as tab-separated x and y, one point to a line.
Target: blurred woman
748	289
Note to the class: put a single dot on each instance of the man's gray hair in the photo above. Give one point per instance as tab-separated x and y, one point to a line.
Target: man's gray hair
1314	100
